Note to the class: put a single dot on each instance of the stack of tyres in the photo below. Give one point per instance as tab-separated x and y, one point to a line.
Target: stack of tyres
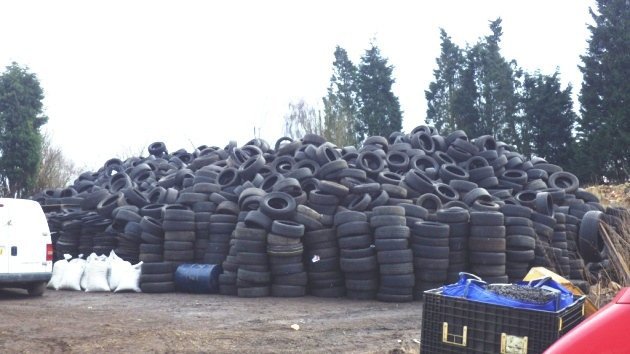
559	241
203	211
327	197
285	250
425	173
157	277
457	220
487	246
432	203
55	227
179	234
253	277
128	241
152	238
202	236
248	202
321	257
393	254
575	260
520	240
68	242
357	256
228	280
545	214
414	213
153	210
430	245
222	224
546	255
254	280
89	228
102	243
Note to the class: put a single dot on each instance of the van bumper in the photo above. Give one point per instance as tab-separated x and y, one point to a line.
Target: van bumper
24	277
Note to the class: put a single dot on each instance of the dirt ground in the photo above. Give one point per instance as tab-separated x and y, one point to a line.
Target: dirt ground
64	321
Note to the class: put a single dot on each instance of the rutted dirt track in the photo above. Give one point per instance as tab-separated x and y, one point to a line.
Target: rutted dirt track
63	321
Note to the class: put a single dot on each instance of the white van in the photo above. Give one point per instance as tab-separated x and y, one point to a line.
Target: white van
26	253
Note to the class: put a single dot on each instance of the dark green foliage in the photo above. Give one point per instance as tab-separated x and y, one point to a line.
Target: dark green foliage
466	96
548	118
604	128
379	111
20	119
341	108
445	93
480	92
475	89
496	83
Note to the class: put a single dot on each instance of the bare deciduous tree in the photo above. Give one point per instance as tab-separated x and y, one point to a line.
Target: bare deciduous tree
302	119
56	170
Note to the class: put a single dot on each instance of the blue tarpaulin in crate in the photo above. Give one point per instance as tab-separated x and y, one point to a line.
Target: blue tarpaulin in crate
473	288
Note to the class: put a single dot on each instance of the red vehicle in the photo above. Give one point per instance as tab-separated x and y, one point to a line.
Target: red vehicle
603	332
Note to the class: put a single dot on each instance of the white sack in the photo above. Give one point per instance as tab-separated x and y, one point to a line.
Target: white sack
118	268
130	279
72	274
95	275
57	273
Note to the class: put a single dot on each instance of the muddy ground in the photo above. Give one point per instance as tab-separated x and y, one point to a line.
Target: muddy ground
64	321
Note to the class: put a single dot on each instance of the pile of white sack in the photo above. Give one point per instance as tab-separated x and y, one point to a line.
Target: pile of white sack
96	273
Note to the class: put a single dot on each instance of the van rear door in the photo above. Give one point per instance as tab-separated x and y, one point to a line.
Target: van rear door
4	238
29	236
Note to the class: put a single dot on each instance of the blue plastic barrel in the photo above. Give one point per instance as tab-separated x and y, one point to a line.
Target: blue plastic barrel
198	278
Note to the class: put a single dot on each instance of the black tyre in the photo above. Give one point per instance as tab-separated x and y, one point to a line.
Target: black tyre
487	231
355	242
398	281
179	256
431	252
388	257
158	268
185	236
485	244
486	218
396	268
160	287
487	258
387	220
278	205
287	228
522	242
178	245
365	264
391	244
431	229
488	270
421	264
520	256
278	290
251	292
516	210
156	278
392	232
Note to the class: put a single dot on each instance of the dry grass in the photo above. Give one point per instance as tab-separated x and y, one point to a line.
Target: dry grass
612	195
617	239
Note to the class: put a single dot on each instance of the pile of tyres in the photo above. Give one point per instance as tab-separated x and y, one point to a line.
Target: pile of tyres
387	220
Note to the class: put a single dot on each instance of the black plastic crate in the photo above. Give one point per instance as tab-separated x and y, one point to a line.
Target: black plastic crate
457	325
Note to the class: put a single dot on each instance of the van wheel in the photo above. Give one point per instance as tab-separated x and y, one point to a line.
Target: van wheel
36	289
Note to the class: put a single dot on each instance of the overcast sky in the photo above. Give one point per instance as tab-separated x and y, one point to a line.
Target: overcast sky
118	75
